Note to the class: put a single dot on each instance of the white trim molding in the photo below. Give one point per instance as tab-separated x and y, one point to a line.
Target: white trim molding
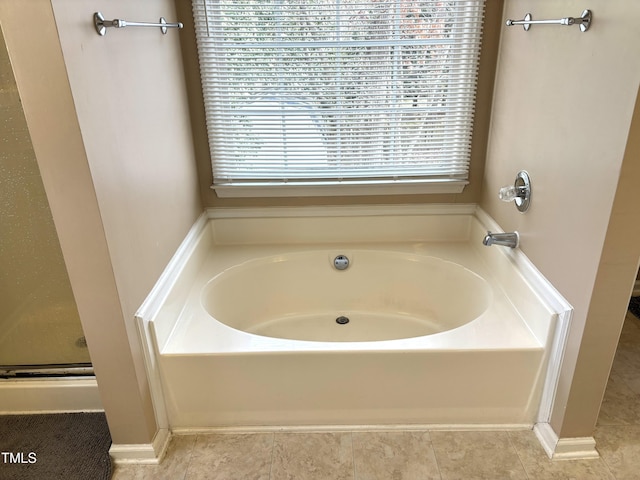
344	188
554	299
150	307
142	453
342	210
49	395
577	448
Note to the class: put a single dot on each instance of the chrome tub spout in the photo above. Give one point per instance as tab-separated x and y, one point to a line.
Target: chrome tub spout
505	239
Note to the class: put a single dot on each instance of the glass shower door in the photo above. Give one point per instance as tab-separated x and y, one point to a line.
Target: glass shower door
39	321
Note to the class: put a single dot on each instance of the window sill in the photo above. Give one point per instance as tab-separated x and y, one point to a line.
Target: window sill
344	188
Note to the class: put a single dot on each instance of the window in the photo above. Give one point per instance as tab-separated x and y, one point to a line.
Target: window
335	95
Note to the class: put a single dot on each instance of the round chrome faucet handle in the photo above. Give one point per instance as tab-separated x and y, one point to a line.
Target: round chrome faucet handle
520	192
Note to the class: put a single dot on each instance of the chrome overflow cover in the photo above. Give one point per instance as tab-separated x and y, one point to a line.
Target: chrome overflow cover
341	262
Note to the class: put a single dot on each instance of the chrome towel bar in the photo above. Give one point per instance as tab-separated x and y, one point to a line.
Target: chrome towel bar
101	24
584	21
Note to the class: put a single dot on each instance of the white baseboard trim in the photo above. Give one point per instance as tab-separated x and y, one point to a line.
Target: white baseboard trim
547	437
578	448
142	453
49	395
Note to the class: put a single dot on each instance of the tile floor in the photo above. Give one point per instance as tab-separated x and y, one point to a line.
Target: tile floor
416	455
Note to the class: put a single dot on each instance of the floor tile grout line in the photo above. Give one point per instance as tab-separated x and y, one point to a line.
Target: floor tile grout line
604	460
273	447
435	456
515	449
193	447
353	457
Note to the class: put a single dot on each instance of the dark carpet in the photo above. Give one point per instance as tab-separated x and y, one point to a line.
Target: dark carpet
634	306
65	446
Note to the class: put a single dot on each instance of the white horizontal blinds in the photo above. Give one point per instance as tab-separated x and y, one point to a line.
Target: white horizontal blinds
338	89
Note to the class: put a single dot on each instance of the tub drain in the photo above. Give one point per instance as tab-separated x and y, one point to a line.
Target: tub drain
342	320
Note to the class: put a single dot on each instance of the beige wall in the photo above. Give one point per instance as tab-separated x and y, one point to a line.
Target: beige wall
614	281
111	132
130	97
562	111
471	194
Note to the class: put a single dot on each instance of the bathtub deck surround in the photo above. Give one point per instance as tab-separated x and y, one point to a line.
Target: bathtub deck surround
228	347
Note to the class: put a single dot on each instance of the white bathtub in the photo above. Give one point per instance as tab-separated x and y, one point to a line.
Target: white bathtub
381	295
441	331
